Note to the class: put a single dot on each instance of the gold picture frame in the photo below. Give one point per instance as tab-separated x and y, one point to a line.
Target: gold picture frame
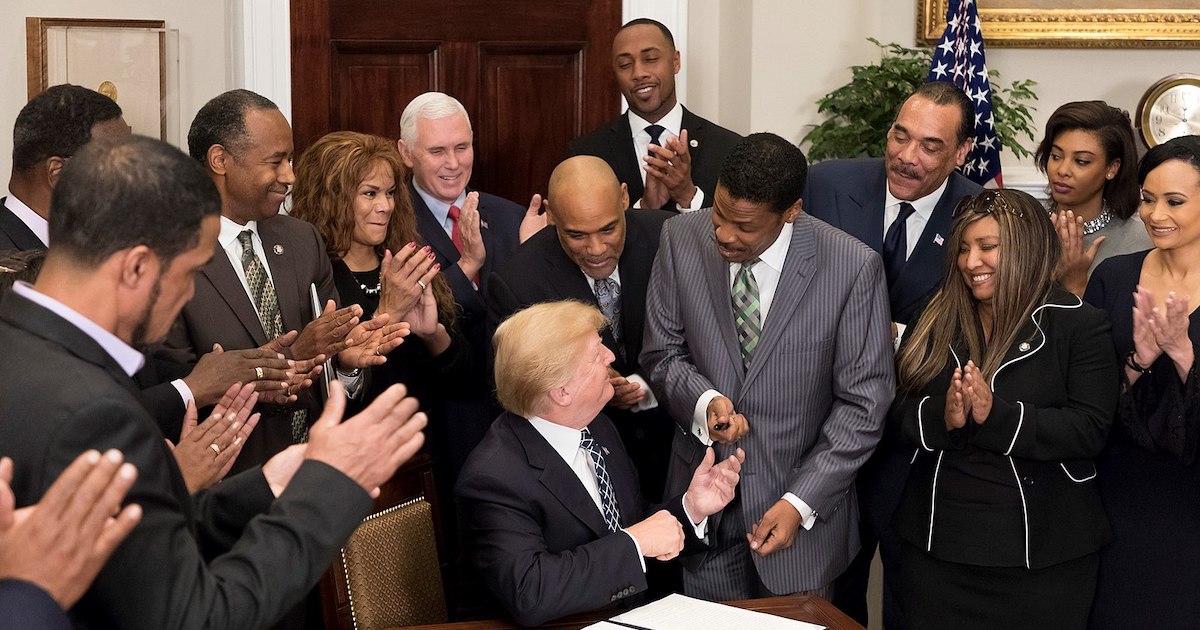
1073	23
126	60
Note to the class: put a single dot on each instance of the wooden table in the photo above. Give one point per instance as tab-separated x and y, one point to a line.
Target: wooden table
808	608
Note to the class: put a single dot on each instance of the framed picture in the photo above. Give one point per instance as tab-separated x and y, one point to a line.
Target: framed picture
1074	23
133	62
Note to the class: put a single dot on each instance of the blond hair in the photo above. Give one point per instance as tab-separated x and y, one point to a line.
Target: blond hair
537	350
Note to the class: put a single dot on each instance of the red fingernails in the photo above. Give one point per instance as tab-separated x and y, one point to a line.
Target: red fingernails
430	255
411	244
437	266
425	249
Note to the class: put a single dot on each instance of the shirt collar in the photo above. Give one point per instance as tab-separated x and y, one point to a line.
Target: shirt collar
564	440
230	231
34	221
615	276
774	255
125	355
439	208
672	122
924	206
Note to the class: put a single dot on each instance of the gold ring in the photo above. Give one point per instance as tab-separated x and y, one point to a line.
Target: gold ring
421	284
258	373
216	449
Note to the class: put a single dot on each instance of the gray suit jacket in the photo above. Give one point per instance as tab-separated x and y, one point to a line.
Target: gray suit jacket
817	390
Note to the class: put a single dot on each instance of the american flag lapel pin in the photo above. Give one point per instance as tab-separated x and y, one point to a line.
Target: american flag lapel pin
483	224
937	238
604	449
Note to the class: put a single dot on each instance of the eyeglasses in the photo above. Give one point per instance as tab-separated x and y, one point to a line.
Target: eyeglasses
987	202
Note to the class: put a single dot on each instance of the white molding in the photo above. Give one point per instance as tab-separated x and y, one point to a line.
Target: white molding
1027	179
673	14
261	50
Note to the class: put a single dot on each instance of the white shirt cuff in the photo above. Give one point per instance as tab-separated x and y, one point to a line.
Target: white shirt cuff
697	202
700	416
638	547
185	392
649	402
808	517
700	528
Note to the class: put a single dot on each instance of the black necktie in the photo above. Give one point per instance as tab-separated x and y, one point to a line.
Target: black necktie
655	132
895	243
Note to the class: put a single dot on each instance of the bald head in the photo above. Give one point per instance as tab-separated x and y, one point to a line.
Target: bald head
588	206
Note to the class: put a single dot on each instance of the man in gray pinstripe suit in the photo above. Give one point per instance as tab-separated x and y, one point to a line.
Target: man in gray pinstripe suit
769	329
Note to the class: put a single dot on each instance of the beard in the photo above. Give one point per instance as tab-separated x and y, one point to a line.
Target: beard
141	330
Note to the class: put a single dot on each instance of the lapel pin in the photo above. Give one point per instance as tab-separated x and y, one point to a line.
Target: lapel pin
604	449
483	224
1024	346
937	238
278	249
694	143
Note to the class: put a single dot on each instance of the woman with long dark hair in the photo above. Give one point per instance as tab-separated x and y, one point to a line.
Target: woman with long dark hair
1007	387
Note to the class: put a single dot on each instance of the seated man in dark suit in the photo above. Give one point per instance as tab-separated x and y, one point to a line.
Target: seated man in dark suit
50	552
598	253
900	206
51	128
471	233
132	223
553	521
667	156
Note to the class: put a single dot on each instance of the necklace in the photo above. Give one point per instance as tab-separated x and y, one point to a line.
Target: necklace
360	276
371	290
1095	225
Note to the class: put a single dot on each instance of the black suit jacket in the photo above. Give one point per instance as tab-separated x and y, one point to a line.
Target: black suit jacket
541	271
25	605
14	234
221	312
533	534
232	557
613	142
849	195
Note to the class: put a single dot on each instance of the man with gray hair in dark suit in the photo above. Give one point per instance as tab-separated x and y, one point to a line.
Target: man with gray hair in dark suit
769	330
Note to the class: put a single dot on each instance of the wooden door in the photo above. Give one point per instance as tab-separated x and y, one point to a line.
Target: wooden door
532	74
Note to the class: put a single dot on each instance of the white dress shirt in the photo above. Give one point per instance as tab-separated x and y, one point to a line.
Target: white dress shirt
915	225
672	122
32	220
766	274
649	402
567	442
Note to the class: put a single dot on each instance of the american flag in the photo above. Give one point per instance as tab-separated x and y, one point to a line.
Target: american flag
959	59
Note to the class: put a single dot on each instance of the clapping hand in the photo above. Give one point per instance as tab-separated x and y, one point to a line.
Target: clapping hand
672	165
1167	329
327	333
300	372
370	342
958	402
473	252
977	390
534	220
1075	262
206	452
403	277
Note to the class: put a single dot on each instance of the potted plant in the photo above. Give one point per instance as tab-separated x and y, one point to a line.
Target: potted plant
859	114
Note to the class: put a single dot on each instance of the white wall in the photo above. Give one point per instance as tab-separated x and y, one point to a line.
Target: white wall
795	52
204	51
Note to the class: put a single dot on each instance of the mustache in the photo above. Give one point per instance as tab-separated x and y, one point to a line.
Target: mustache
905	170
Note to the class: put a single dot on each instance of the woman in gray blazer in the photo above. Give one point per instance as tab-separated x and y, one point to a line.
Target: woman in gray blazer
1007	388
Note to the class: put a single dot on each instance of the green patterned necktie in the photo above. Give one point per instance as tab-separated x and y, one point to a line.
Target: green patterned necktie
266	303
747	310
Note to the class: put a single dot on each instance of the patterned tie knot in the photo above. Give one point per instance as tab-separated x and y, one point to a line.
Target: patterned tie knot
246	238
655	132
747	310
608	497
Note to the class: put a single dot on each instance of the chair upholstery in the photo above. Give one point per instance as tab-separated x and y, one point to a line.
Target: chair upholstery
388	573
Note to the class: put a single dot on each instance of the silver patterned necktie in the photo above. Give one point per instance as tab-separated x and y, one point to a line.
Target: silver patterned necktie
266	304
608	296
608	498
747	310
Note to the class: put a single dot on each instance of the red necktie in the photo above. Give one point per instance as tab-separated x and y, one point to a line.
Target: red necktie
456	234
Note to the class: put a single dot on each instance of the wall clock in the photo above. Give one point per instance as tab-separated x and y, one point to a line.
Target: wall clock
1169	109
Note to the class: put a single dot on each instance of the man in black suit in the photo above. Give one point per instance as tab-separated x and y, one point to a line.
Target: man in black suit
901	206
51	128
255	297
552	517
471	233
132	223
667	156
598	253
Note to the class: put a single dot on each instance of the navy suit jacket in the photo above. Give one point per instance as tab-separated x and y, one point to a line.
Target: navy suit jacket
25	605
534	536
613	142
849	195
14	234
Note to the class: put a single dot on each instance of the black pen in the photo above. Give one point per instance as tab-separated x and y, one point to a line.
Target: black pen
628	625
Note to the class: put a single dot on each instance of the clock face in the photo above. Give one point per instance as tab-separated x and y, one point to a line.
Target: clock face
1175	112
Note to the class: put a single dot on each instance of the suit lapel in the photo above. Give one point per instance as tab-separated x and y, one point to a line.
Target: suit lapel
798	269
861	210
42	322
626	165
220	274
17	231
716	272
281	258
558	478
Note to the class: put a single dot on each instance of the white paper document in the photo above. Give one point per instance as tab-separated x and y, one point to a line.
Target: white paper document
679	612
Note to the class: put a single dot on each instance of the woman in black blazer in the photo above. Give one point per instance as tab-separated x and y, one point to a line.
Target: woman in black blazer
1007	388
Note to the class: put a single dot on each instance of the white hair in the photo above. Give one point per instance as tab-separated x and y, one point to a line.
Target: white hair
428	106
